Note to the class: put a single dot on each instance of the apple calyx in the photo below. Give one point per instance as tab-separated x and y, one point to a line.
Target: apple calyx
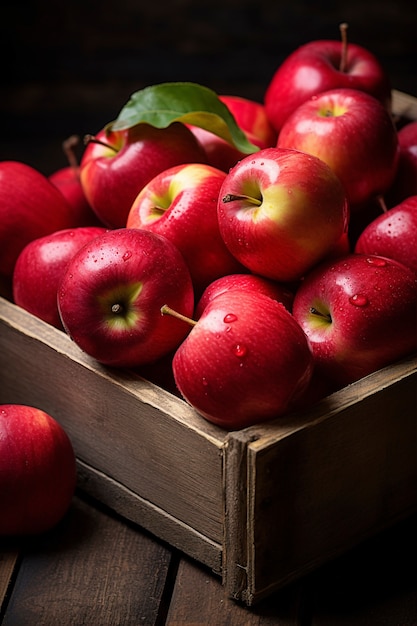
343	59
166	310
230	197
93	139
119	306
326	316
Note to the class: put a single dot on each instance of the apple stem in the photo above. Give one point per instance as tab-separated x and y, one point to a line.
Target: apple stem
166	310
326	316
382	203
93	139
68	147
230	197
343	59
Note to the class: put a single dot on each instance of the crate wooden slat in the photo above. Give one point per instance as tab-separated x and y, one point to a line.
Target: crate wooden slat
260	506
316	484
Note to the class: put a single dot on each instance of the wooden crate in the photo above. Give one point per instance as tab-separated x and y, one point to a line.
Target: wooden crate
260	506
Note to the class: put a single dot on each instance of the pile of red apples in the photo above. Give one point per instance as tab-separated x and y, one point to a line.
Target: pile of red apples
261	274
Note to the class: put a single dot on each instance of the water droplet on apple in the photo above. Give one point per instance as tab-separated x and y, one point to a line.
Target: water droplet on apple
377	261
240	351
229	318
359	300
204	382
126	256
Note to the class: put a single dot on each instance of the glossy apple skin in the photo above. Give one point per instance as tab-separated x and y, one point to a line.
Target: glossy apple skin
245	361
302	216
111	295
351	132
112	178
67	180
314	68
372	302
393	234
245	282
405	182
40	267
180	203
30	207
37	471
251	117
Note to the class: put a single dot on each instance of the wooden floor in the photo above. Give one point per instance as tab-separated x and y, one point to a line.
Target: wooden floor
95	569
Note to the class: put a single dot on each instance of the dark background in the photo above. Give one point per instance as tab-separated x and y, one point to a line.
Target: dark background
69	67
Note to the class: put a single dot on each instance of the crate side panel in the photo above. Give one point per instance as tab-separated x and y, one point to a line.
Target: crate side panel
134	508
324	488
135	443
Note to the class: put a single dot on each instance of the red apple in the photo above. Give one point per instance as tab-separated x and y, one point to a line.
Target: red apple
246	360
116	165
405	182
319	66
359	314
181	204
251	117
37	470
30	207
245	282
111	295
67	180
281	211
354	134
393	234
40	267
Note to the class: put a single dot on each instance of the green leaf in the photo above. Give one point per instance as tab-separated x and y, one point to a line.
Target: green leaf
161	105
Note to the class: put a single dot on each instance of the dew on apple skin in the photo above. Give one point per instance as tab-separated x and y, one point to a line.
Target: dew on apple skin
229	318
240	351
359	300
126	256
377	261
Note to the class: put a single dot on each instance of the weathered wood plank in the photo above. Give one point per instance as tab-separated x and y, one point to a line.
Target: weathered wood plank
8	563
320	482
91	569
199	599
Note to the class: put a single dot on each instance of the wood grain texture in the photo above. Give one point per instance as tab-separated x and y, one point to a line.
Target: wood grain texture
199	600
8	564
134	508
92	569
312	485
